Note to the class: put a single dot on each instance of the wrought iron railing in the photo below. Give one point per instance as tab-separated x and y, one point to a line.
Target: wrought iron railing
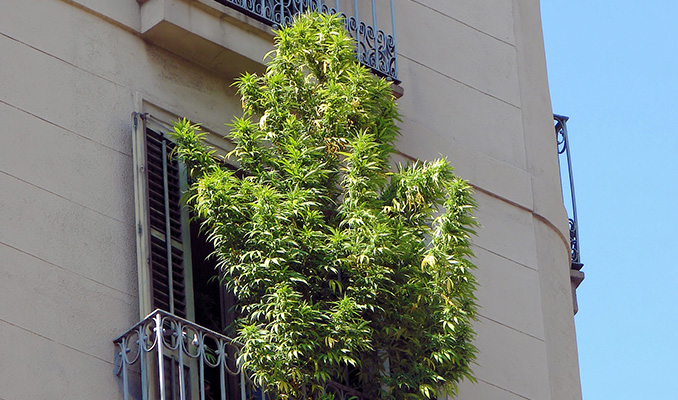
170	358
564	151
375	48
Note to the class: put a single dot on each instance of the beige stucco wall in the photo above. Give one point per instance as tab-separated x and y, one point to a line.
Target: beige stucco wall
475	90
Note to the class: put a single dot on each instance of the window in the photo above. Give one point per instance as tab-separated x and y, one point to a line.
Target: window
175	272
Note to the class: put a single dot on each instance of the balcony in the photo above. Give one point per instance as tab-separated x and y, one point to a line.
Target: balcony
565	161
168	357
375	48
232	36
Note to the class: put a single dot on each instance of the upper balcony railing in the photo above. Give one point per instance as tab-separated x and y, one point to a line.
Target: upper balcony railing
376	48
563	145
170	358
564	150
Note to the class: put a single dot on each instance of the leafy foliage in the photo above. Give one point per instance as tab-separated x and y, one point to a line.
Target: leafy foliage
337	261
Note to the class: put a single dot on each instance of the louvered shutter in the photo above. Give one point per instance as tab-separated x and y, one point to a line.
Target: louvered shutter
168	282
163	238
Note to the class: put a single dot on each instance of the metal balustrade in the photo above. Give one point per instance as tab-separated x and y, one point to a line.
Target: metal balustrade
167	357
375	48
564	151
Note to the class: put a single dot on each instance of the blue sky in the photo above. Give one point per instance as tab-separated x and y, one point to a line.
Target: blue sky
613	69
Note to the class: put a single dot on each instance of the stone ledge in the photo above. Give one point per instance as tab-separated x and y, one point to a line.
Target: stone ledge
576	278
214	36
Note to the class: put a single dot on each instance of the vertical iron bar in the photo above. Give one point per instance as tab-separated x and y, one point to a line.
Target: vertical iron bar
222	377
123	361
395	43
374	19
173	377
336	6
168	232
201	367
357	21
376	35
243	394
180	345
143	366
263	10
161	364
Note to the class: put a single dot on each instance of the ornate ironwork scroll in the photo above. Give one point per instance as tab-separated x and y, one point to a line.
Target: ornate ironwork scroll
563	149
375	48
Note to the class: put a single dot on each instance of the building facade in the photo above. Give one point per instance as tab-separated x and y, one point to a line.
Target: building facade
472	86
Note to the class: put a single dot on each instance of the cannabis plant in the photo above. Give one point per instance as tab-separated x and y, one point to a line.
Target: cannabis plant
344	269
